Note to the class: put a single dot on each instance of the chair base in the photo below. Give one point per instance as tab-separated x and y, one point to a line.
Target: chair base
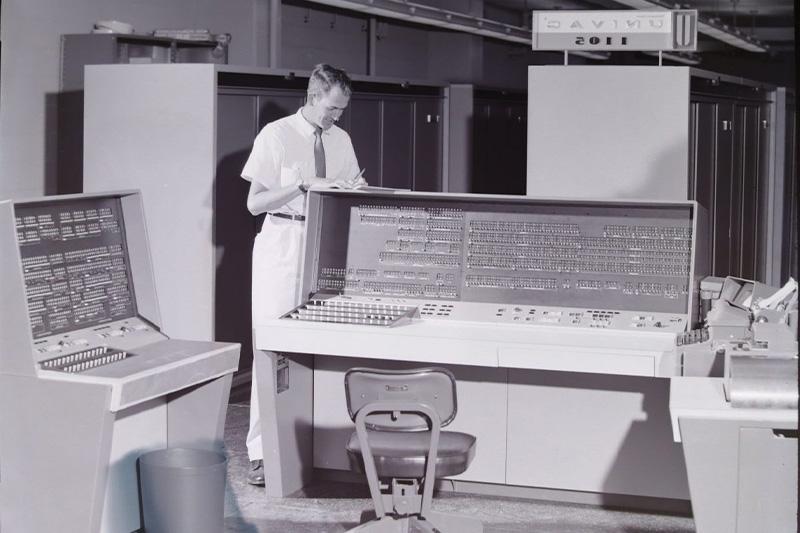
434	523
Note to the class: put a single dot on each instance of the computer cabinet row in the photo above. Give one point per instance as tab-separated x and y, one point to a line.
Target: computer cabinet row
500	121
397	139
729	177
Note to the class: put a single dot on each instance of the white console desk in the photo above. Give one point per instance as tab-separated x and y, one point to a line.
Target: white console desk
578	409
558	317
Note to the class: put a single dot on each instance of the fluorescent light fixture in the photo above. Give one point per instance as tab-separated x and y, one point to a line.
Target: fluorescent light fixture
678	57
442	18
597	56
708	26
730	36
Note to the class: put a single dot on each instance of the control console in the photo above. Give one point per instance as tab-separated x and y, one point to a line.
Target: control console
614	265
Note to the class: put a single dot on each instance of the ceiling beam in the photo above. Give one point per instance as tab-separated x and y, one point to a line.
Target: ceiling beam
710	27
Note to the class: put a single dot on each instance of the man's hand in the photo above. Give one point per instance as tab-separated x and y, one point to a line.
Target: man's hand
319	183
356	181
322	183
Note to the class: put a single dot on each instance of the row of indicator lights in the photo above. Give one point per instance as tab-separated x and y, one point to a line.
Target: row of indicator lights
359	305
351	311
344	320
73	358
94	363
366	313
78	357
599	319
306	313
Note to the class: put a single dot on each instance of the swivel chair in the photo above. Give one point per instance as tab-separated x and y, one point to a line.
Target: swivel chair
399	445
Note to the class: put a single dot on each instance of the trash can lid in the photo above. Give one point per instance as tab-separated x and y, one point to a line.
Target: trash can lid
182	458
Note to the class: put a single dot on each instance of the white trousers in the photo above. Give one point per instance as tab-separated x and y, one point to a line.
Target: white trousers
276	280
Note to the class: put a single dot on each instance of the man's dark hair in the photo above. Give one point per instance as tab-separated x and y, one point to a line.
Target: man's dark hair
324	77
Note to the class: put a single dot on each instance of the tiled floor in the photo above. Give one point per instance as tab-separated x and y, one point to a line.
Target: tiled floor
328	507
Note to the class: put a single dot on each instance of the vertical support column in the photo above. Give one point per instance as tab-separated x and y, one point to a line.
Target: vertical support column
267	32
372	44
275	33
776	187
459	124
286	400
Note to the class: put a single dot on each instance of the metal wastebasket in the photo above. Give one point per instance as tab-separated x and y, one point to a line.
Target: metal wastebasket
183	490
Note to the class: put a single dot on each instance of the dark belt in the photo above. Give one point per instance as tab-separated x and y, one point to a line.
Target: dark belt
259	219
288	216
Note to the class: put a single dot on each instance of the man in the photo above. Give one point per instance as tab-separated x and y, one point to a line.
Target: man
290	156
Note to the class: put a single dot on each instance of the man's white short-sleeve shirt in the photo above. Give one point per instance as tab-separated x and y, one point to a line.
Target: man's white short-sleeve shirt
283	151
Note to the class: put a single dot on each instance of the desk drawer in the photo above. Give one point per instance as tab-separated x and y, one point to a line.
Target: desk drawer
569	359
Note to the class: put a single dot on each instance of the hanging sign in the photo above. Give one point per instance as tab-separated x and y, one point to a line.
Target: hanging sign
632	30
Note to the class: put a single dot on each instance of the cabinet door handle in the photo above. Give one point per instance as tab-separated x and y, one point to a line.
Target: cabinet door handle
727	125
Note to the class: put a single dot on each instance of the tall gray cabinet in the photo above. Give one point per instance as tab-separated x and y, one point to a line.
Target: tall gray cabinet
81	49
672	133
181	134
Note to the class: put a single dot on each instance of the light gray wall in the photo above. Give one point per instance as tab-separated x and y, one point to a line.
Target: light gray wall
427	53
31	32
309	37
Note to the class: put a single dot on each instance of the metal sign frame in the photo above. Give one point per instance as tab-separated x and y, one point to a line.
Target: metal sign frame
609	30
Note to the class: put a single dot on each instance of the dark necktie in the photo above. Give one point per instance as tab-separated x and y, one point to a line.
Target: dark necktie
319	153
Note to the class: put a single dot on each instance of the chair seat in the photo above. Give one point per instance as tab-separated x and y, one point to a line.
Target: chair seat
402	454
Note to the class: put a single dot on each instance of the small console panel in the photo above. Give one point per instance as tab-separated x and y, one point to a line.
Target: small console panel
75	264
77	272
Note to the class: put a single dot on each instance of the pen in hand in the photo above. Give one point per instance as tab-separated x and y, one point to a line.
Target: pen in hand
356	180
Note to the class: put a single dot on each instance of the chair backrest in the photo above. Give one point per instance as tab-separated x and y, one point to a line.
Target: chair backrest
433	386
